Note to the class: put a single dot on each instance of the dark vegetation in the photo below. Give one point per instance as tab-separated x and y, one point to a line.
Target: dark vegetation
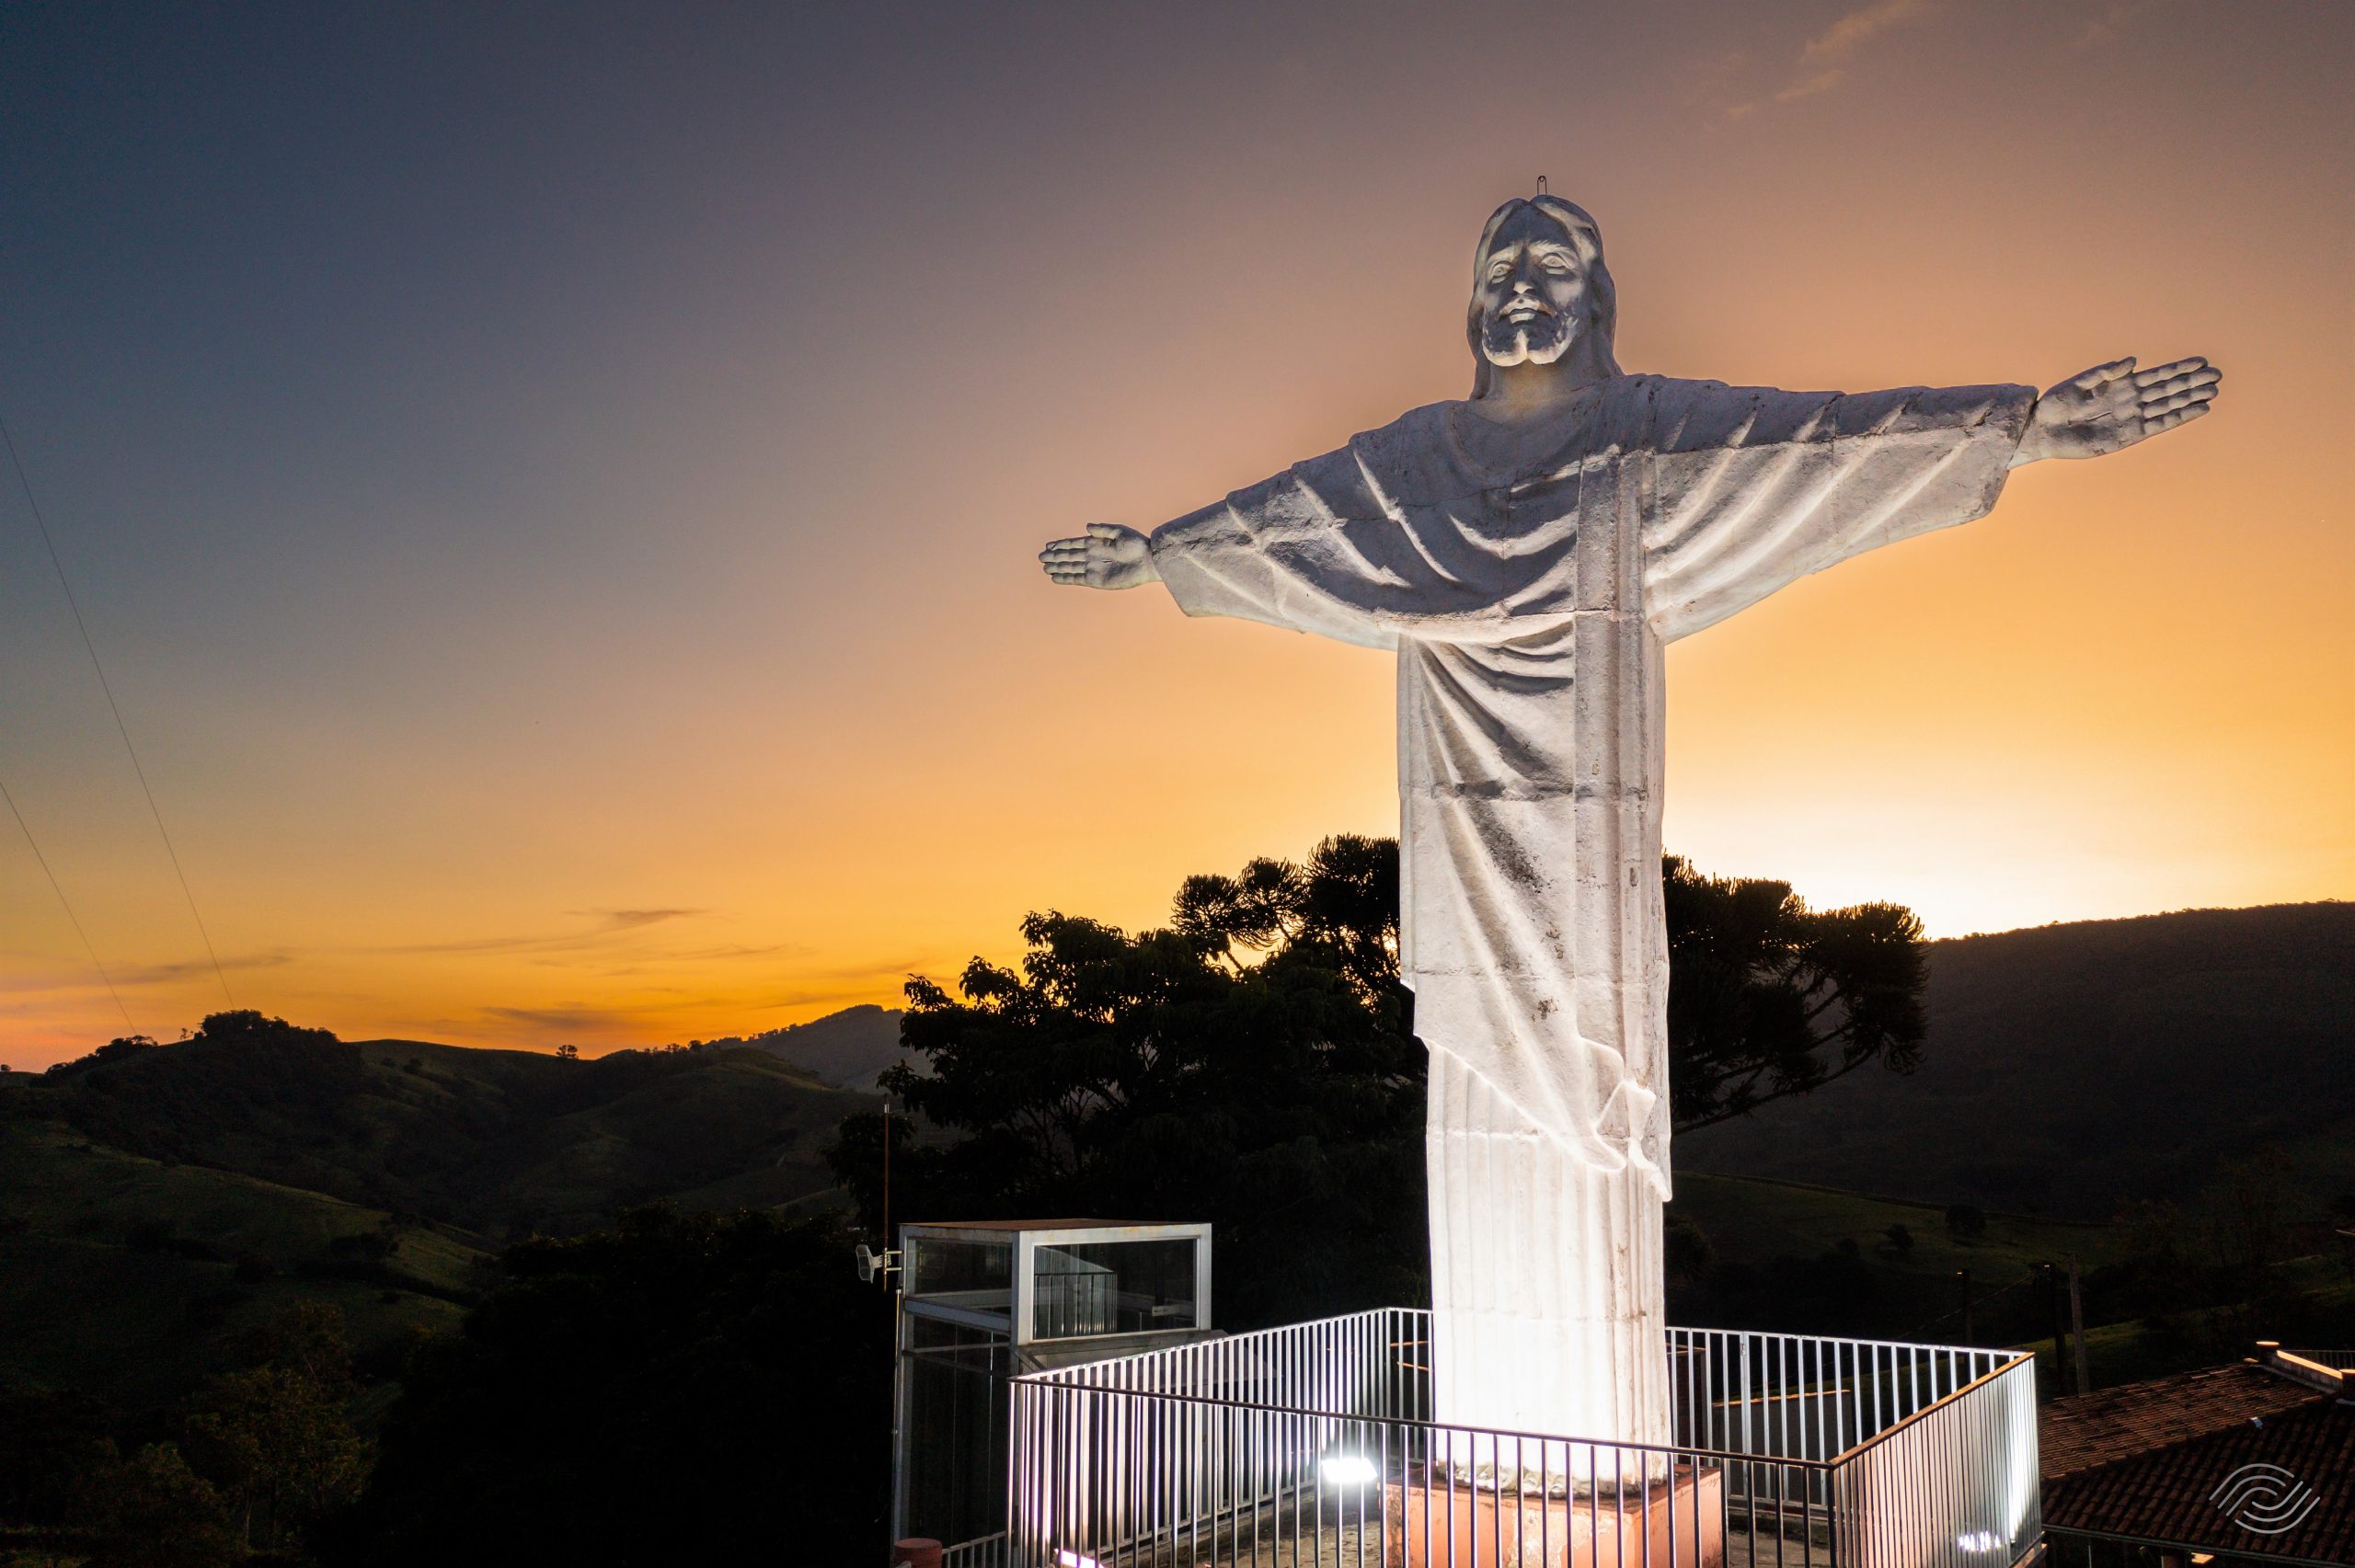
682	1389
499	1142
2075	1069
270	1296
256	1461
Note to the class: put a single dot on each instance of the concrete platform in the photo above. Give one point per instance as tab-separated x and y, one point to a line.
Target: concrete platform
1676	1523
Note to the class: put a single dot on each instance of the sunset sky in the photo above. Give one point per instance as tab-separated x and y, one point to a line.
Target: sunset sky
555	488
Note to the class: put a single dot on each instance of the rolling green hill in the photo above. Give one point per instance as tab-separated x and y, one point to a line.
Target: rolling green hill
2070	1068
498	1143
136	1277
159	1205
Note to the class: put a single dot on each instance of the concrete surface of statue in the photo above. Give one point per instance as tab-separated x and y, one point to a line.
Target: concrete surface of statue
1527	553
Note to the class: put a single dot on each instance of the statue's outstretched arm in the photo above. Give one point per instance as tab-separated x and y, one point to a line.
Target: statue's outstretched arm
2111	406
1106	555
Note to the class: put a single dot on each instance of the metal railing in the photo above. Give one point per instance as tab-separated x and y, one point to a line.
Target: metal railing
987	1552
1316	1444
2336	1360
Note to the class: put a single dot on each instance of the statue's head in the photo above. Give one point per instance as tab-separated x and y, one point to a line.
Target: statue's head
1540	290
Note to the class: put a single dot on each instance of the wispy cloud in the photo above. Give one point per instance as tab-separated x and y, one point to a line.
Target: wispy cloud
1826	59
2110	19
608	924
199	967
573	1018
630	919
1841	39
647	1021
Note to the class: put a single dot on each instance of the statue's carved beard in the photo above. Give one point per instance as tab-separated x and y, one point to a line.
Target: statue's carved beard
1540	340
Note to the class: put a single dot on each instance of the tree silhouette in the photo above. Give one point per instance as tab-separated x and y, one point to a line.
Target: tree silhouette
1768	998
1248	1065
277	1437
152	1511
1253	1064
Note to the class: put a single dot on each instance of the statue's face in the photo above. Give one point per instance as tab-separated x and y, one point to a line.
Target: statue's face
1532	291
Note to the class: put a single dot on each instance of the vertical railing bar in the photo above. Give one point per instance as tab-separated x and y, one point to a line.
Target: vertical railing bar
1619	1498
1858	1411
1520	1500
1426	1500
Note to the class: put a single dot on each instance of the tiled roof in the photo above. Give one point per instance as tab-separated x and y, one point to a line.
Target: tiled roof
2116	1424
2150	1461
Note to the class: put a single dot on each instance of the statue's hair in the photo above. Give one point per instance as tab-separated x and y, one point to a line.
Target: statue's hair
1587	235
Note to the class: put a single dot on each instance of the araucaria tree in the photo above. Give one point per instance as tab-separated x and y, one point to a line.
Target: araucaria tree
1768	997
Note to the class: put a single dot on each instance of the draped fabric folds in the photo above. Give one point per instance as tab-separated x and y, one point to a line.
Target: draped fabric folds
1528	611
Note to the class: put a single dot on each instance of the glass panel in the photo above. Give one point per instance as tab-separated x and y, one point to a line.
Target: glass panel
1114	1288
974	1274
955	1440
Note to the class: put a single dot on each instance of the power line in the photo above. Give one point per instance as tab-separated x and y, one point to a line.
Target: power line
121	728
64	904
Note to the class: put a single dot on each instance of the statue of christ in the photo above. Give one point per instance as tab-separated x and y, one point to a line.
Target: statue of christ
1527	552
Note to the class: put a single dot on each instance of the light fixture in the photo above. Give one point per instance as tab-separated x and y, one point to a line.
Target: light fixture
1347	1469
1074	1559
1979	1540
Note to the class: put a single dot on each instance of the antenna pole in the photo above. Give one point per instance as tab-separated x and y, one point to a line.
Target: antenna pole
2077	1330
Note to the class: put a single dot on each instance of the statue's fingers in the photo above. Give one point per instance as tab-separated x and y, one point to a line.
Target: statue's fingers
2169	422
2170	386
2153	407
2158	373
1105	530
2100	376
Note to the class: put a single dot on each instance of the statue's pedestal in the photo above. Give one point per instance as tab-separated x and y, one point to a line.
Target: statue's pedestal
1675	1523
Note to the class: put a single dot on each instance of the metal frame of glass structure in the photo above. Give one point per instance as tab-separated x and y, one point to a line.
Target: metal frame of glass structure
980	1303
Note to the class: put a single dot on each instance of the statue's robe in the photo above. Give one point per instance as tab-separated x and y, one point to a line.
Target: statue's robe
1529	611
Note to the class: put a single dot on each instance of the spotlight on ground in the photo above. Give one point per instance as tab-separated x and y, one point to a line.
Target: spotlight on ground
1346	1470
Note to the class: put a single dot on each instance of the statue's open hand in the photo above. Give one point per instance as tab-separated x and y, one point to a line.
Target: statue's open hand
1106	555
2111	406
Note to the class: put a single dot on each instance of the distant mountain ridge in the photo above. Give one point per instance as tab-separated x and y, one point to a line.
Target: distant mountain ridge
492	1140
156	1202
2072	1068
844	1050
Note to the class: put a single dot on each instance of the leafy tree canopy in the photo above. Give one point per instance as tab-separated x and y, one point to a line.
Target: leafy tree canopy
1248	1065
1253	1064
1768	997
